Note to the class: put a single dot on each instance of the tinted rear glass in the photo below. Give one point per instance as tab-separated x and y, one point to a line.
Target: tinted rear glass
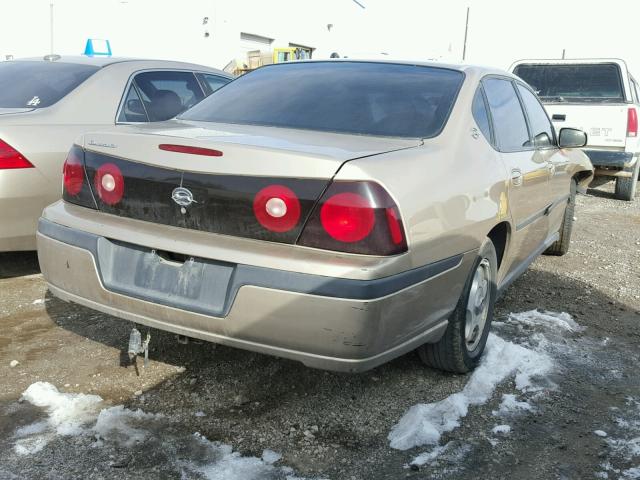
587	82
39	84
345	97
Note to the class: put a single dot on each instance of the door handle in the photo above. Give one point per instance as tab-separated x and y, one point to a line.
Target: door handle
516	177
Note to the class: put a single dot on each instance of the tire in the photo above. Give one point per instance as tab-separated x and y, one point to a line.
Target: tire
561	246
626	187
457	351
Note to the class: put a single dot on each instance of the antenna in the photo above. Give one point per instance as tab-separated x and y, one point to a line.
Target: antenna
466	31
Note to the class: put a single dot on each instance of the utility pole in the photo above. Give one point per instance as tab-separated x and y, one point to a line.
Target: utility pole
563	53
51	26
466	31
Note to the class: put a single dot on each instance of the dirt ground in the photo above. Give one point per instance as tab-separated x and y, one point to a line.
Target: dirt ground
335	426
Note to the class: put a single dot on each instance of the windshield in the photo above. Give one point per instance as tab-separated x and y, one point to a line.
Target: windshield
345	97
39	84
574	83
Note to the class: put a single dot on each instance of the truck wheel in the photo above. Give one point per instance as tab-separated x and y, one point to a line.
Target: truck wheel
460	348
626	187
561	246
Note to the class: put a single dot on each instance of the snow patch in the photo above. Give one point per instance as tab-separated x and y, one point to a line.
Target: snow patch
501	429
600	433
230	465
68	412
549	320
633	473
431	455
423	424
124	426
270	457
510	404
118	428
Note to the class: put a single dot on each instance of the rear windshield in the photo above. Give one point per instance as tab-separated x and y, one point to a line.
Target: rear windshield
39	84
345	97
574	83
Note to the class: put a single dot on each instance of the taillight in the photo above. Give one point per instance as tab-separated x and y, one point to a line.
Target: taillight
76	188
347	217
277	208
355	217
10	158
109	183
73	174
632	122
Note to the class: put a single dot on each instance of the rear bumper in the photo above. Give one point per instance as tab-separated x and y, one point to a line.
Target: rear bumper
611	159
325	322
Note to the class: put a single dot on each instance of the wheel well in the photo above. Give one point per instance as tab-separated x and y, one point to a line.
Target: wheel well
578	177
498	236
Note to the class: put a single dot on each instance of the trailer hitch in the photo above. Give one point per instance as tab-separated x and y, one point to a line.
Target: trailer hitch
137	346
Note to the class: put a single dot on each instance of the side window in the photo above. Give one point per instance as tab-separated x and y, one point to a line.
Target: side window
541	127
212	83
166	94
132	110
509	124
480	115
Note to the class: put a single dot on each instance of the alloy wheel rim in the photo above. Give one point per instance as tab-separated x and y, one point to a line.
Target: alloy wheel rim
478	305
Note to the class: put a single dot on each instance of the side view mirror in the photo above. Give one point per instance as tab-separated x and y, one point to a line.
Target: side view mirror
572	138
135	106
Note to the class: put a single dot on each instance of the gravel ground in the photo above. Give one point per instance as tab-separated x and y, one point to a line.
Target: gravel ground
335	426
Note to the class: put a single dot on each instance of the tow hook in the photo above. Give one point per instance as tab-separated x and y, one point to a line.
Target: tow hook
137	346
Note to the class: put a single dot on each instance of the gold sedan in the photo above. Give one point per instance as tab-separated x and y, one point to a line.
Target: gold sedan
339	213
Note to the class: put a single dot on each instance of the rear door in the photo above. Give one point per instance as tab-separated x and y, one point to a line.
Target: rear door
529	191
545	144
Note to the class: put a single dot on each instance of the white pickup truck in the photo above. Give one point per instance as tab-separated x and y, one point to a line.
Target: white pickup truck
600	97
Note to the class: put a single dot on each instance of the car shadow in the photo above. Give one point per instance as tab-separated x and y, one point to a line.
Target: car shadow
17	264
596	192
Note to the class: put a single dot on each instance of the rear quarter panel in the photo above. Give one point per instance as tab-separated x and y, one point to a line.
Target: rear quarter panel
451	191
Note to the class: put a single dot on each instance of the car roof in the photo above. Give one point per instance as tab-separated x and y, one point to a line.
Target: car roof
462	67
103	61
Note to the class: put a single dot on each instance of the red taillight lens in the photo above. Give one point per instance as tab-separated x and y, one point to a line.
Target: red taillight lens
277	208
109	183
395	225
208	152
355	217
10	158
73	174
632	122
347	217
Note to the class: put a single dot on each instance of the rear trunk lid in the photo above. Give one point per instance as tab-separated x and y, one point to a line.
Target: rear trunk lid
604	123
224	194
246	150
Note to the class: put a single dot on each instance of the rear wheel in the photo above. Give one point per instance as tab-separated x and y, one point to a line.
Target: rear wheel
461	347
561	246
626	186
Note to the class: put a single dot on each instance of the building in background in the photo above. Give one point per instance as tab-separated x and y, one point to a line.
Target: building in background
210	32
